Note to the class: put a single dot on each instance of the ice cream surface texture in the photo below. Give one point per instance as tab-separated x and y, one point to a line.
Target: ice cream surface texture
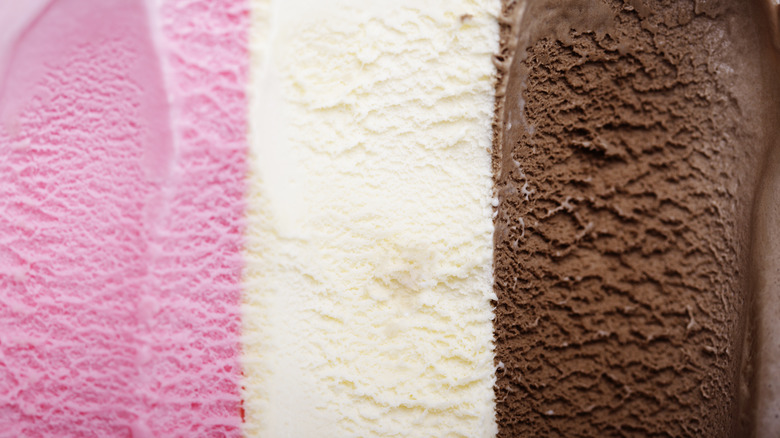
369	244
388	218
359	234
121	184
633	136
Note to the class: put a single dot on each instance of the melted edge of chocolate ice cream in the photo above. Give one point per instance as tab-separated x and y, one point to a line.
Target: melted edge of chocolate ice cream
760	392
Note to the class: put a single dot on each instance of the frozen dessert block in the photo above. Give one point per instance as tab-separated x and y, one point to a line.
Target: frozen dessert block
369	244
389	218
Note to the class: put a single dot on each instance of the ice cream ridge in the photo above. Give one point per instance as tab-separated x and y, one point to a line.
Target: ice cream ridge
389	218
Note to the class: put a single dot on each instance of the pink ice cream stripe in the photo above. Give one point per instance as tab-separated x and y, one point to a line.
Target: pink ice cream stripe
199	268
121	221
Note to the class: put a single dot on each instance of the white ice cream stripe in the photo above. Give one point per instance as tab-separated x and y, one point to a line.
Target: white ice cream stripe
369	243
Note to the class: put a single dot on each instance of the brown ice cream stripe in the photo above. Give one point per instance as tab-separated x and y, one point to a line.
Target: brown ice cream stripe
629	144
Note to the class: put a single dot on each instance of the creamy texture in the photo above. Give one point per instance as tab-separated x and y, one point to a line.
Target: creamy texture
120	217
368	278
638	183
632	134
761	402
766	397
15	19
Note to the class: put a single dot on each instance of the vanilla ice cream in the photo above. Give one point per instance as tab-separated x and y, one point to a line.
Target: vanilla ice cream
369	244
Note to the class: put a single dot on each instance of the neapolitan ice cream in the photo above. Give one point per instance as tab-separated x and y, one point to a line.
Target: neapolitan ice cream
387	218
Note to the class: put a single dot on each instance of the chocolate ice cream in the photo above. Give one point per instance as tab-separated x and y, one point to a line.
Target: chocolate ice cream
630	143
